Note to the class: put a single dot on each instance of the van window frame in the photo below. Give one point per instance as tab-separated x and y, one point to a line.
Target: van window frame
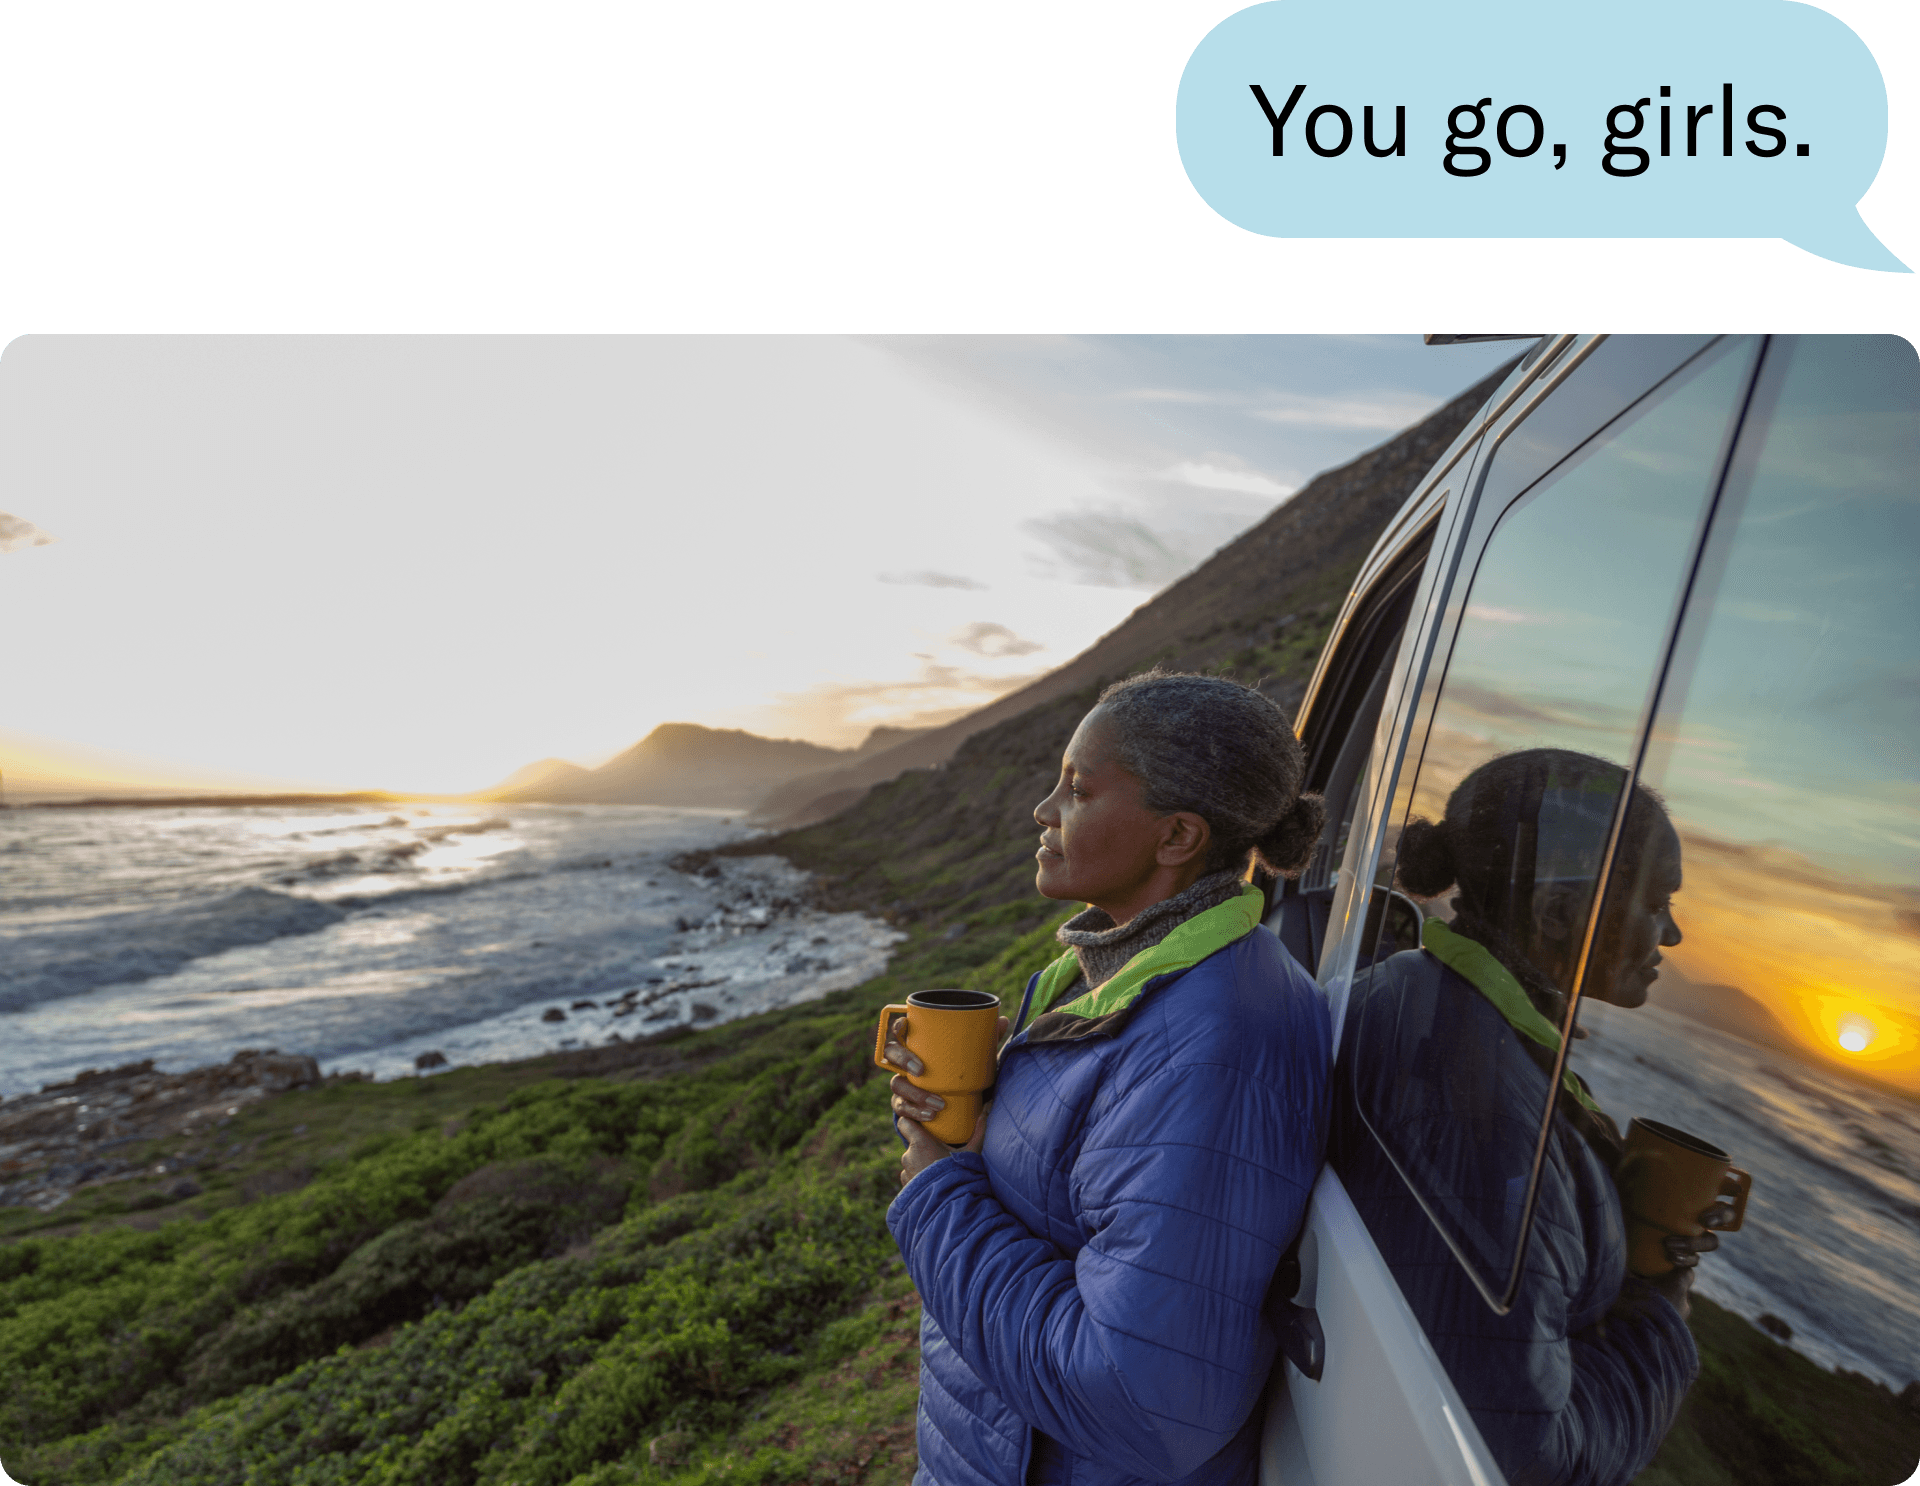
1488	502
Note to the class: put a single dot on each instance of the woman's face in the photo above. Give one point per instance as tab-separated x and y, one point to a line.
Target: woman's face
1099	844
1626	952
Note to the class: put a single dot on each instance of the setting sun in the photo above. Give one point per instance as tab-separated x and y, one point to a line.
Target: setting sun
1856	1032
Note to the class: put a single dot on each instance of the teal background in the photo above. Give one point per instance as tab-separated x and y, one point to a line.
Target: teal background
569	167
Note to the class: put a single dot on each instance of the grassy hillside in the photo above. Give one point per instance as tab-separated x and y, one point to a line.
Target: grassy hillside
1763	1413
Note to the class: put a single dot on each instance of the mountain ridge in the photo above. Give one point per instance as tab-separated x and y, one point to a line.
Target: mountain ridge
684	763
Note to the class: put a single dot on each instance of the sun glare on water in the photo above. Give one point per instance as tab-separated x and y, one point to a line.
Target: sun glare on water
1856	1032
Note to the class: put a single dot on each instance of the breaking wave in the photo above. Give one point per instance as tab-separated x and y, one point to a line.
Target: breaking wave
71	959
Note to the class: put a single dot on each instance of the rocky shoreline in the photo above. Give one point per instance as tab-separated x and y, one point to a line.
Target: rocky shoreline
58	1141
763	944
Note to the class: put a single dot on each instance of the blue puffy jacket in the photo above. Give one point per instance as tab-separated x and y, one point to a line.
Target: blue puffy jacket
1093	1280
1578	1382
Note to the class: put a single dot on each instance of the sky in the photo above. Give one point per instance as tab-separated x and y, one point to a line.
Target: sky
419	563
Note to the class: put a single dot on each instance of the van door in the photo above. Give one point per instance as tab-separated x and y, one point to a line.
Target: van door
1548	610
1379	1391
1779	1020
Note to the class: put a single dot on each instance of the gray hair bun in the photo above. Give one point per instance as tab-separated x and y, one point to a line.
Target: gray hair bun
1225	752
1424	862
1288	847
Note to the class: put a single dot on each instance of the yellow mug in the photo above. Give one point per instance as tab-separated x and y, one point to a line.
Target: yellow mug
953	1034
1668	1181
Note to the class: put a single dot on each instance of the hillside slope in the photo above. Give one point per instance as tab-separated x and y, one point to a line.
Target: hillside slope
1258	609
952	846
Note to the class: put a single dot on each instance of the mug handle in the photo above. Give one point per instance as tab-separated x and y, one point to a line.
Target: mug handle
1738	1185
887	1014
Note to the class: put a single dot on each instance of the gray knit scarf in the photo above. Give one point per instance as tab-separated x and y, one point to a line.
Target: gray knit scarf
1103	947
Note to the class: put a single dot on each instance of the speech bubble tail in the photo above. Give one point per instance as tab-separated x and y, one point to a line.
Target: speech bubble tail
1846	239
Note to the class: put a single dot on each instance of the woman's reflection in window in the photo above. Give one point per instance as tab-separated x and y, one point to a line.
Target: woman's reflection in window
1522	840
1446	1057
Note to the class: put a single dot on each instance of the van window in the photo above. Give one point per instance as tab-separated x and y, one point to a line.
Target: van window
1357	687
1782	1016
1561	636
1346	717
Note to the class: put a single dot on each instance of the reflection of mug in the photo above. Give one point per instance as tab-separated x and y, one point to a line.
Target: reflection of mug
953	1034
1668	1179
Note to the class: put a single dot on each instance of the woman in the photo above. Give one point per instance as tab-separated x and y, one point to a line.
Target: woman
1094	1262
1446	1053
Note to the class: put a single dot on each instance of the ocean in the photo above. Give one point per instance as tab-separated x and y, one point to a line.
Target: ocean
368	937
1831	1241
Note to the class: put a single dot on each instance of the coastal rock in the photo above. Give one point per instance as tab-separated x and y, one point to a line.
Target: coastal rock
434	1059
553	1014
51	1143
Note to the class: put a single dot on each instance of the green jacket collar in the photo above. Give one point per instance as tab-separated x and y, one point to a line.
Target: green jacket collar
1475	964
1185	946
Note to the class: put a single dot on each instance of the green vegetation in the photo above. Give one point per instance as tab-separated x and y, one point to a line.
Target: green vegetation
677	1269
1763	1415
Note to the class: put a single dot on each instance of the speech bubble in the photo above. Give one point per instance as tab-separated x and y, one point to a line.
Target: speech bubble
1528	120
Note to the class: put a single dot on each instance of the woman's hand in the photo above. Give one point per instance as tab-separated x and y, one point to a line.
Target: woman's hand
912	1105
1684	1253
924	1148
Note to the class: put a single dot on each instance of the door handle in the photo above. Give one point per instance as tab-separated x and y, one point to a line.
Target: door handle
1303	1341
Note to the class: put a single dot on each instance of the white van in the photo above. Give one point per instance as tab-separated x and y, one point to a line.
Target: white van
1696	559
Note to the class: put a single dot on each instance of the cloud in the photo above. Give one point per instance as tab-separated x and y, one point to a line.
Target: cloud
1365	339
1110	549
1488	614
1469	701
844	712
1764	613
1166	394
1156	530
1385	412
1225	472
930	579
16	534
993	640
